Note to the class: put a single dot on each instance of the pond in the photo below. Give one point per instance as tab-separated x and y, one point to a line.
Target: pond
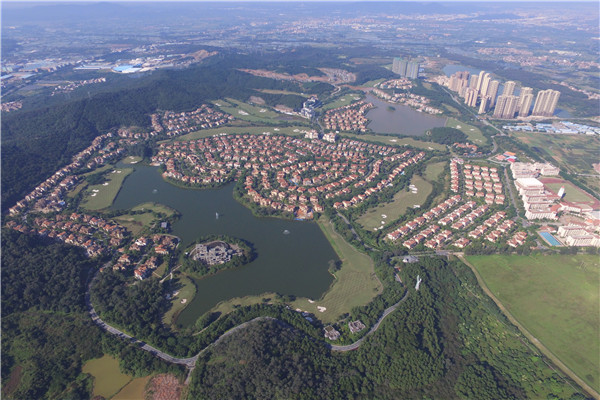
292	256
397	119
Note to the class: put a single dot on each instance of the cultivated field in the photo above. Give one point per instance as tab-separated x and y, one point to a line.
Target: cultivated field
355	283
98	197
134	390
402	200
472	132
108	380
557	299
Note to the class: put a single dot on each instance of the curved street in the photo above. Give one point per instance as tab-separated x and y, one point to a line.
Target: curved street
356	344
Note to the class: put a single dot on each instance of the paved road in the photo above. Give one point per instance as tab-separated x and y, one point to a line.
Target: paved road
356	344
528	334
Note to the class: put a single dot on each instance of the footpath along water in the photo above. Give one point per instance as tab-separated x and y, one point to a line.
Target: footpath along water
292	259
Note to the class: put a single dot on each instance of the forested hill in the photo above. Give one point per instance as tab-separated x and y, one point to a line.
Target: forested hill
446	341
36	143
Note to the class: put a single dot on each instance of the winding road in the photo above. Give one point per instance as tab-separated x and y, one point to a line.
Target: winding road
190	362
356	344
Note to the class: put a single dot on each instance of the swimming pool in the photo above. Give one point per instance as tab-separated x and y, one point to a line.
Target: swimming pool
550	239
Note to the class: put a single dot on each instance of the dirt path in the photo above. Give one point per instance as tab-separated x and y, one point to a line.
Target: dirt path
528	334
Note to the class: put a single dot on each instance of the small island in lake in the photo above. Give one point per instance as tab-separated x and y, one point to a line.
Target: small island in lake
215	253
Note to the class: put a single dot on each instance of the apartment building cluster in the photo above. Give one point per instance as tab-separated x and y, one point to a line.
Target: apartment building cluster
538	202
350	118
288	174
96	235
482	91
48	195
405	68
420	103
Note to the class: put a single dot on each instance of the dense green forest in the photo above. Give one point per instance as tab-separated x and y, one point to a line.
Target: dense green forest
47	334
446	341
447	135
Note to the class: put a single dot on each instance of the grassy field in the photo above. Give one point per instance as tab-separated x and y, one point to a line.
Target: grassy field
402	200
433	171
341	101
132	160
556	298
472	132
249	112
273	91
101	196
108	380
154	207
394	140
187	292
254	130
135	390
355	283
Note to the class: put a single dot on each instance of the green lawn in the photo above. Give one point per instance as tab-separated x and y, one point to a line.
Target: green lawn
556	298
394	140
136	223
98	197
373	82
355	283
135	390
108	380
254	130
154	207
402	200
433	170
472	132
187	292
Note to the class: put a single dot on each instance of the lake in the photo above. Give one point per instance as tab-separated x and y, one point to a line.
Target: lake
292	256
403	120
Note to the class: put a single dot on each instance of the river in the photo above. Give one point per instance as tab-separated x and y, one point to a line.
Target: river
293	256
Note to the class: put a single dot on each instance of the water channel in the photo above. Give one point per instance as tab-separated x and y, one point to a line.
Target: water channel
292	259
398	119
